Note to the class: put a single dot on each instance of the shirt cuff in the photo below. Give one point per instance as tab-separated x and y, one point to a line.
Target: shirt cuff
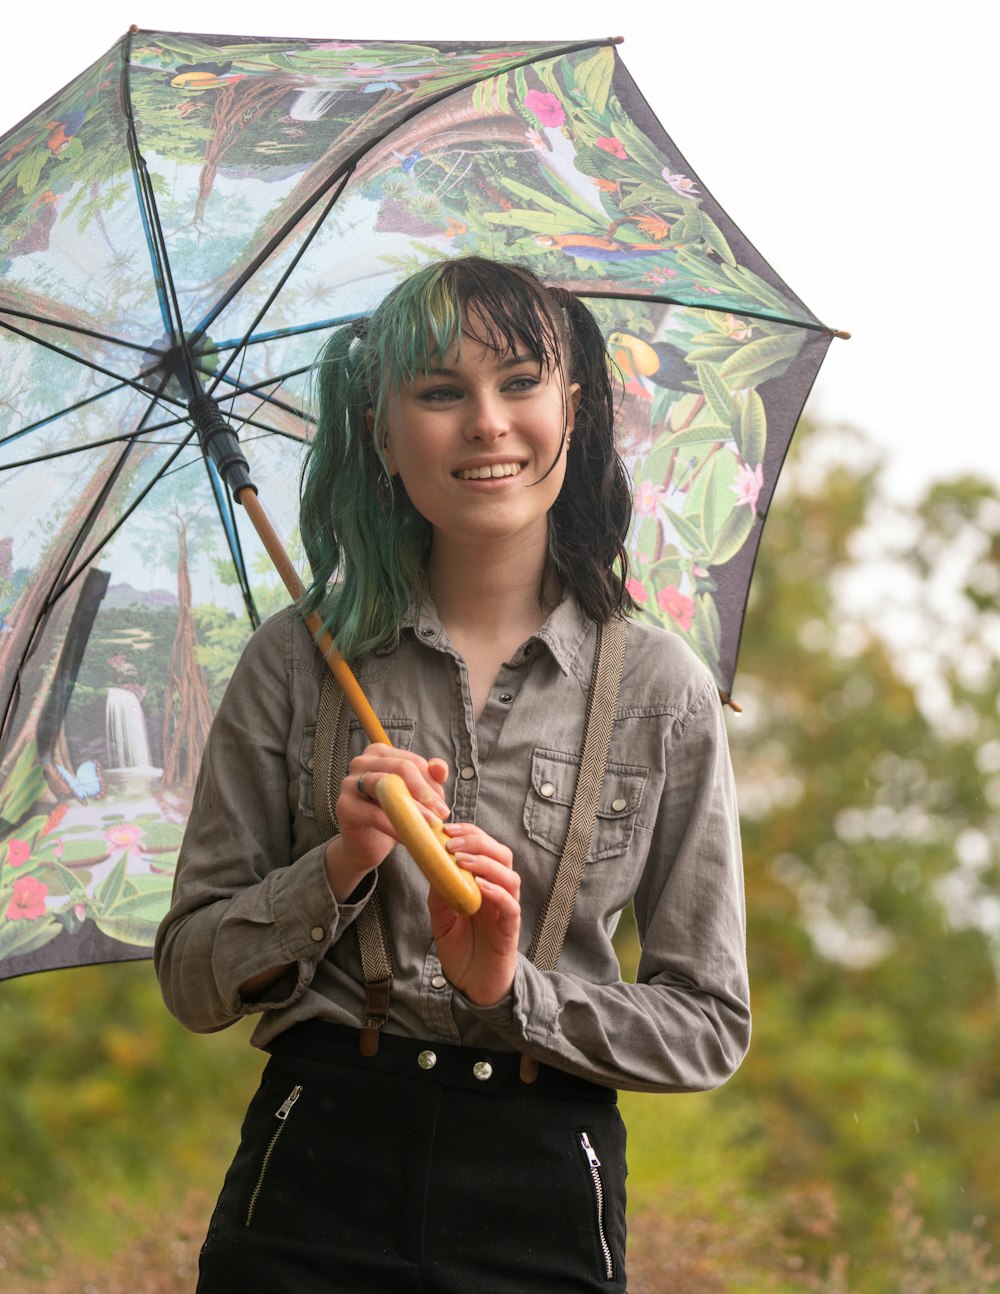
526	1014
307	916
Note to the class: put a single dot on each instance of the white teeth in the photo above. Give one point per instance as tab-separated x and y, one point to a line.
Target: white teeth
484	473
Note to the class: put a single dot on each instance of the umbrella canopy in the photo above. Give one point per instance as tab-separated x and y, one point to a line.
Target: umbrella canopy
193	215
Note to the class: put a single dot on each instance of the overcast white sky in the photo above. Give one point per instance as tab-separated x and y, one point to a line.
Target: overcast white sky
853	144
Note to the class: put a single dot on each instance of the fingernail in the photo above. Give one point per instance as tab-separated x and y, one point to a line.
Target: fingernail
455	844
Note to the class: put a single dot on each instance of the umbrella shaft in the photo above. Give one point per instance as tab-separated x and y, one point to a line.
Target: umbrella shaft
340	669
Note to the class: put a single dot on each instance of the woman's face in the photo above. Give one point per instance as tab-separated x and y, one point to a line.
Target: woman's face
479	442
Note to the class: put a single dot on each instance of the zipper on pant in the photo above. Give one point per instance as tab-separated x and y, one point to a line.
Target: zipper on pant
281	1114
594	1164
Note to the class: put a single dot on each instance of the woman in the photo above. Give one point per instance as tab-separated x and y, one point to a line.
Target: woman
464	490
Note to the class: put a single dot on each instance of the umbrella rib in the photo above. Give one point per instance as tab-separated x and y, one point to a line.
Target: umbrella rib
350	163
76	328
140	498
224	504
170	308
72	408
293	330
240	389
88	363
126	438
58	581
272	297
660	298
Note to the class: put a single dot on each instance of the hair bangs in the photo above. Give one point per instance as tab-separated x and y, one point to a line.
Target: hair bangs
498	306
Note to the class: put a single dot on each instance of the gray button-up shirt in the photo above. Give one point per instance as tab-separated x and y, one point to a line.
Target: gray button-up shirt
251	889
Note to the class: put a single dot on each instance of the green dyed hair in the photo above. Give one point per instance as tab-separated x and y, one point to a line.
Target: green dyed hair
359	527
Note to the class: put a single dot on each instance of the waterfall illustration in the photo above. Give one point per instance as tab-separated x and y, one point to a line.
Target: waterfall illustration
130	766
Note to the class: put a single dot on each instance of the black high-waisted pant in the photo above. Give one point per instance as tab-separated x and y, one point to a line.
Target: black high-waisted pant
427	1168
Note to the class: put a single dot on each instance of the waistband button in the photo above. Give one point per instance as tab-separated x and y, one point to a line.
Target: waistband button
482	1070
427	1060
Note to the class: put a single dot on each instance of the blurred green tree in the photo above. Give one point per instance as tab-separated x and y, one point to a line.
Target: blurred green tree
868	765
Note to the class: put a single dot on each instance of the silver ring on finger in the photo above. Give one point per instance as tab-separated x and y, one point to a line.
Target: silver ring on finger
361	790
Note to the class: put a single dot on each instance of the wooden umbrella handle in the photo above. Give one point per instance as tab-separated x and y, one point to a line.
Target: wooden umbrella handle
451	882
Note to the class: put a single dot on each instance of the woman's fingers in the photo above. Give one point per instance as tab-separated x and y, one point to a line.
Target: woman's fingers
467	838
423	777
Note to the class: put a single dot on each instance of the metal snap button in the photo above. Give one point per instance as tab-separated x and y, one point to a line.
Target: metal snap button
438	981
427	633
618	805
506	697
427	1060
318	934
547	789
467	773
482	1070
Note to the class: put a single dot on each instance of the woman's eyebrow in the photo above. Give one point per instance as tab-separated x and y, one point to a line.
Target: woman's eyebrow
511	361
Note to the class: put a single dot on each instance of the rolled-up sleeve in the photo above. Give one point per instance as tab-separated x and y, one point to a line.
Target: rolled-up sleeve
243	902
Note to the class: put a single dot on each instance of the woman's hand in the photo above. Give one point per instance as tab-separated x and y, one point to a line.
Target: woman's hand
479	953
366	834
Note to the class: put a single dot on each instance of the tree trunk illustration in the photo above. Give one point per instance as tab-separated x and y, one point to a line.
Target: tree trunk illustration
187	711
42	600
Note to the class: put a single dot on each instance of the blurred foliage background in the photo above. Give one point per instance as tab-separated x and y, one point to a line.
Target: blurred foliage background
855	1152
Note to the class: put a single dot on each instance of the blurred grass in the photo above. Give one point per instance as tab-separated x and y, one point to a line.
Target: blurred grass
119	1127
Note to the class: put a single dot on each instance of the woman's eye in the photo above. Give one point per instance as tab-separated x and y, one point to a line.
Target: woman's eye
524	382
439	394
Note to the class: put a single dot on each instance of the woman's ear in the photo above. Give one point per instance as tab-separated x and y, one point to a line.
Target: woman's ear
386	449
573	405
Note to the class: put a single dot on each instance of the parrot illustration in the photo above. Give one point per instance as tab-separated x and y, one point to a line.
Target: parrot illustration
593	247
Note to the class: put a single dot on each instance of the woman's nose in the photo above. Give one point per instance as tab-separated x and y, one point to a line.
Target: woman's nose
488	419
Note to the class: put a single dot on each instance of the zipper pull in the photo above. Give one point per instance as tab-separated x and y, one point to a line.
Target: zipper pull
290	1100
589	1151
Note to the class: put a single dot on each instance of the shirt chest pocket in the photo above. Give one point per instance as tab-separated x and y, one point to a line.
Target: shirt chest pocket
399	732
550	797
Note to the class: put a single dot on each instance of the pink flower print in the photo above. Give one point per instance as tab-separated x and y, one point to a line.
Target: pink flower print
546	107
659	277
680	184
28	899
637	591
612	145
18	852
738	329
749	484
125	835
647	498
677	605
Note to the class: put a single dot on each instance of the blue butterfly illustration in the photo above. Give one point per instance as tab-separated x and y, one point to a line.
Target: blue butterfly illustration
87	783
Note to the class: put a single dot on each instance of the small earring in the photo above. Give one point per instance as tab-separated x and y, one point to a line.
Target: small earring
383	492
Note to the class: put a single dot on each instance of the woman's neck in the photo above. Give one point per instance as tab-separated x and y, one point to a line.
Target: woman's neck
492	592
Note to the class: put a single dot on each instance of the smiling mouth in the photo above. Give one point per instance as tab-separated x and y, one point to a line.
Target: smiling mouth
489	472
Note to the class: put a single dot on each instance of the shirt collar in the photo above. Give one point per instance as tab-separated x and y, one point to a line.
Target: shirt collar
562	633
